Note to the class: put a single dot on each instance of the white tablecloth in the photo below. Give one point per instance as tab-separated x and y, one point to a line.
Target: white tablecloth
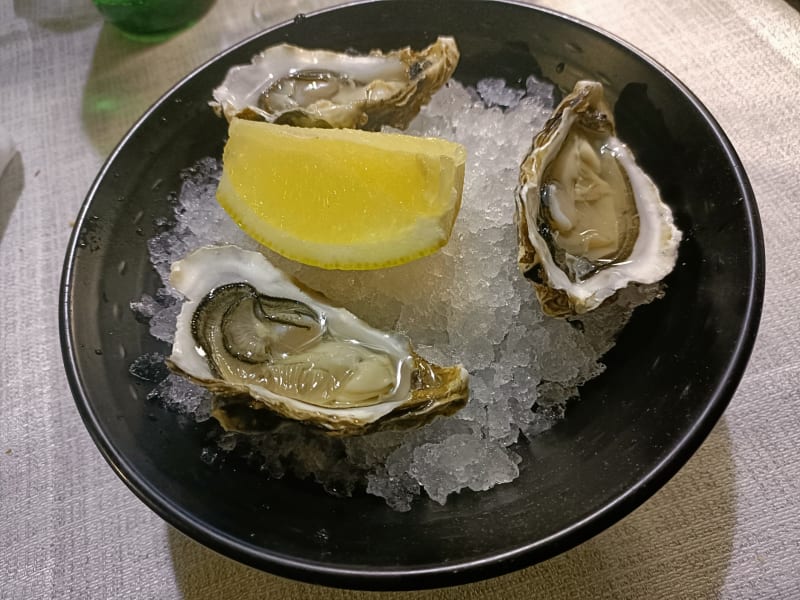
727	526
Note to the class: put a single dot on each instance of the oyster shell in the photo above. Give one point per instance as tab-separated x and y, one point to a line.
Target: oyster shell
590	221
250	335
290	85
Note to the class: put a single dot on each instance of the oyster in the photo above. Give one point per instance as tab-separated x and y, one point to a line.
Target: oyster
255	339
290	85
590	221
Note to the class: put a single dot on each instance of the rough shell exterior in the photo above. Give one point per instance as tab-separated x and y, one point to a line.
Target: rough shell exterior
388	89
422	390
654	253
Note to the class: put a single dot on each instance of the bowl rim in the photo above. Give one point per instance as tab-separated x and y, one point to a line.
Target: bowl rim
453	573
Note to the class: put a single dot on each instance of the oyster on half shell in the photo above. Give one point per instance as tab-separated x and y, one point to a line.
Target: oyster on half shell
290	85
590	221
261	344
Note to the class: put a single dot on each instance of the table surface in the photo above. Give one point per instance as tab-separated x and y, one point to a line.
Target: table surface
727	526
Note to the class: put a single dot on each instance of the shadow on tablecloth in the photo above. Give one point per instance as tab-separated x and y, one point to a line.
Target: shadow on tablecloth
117	93
127	77
12	182
684	533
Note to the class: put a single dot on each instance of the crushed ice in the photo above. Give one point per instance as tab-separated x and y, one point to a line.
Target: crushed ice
469	305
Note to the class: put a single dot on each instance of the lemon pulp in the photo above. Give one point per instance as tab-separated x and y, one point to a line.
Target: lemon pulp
341	198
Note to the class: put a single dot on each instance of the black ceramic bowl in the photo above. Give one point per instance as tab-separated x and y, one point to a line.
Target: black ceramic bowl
668	380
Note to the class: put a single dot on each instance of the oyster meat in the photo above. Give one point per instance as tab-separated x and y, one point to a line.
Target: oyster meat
590	221
290	85
254	338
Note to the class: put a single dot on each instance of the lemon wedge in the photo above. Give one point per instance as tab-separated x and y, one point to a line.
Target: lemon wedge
341	198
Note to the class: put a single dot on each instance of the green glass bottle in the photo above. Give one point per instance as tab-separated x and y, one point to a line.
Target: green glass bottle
152	20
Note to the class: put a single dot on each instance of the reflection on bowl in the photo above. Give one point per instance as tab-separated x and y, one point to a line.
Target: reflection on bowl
669	378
